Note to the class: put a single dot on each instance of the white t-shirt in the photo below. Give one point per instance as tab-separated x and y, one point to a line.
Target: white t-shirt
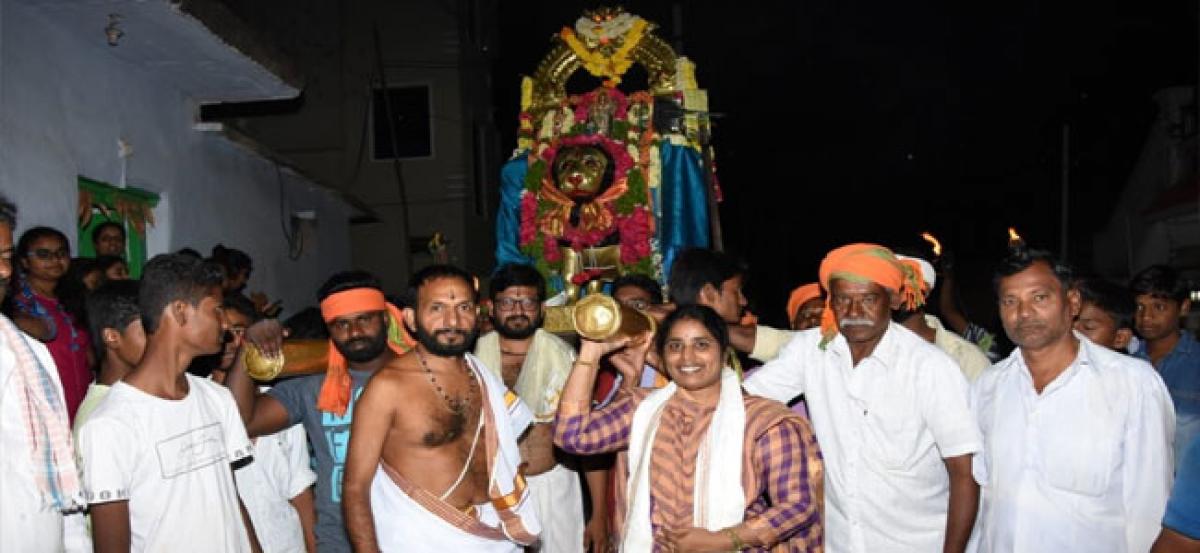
170	460
280	471
27	522
884	427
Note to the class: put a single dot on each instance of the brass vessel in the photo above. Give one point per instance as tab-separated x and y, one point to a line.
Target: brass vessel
601	318
298	357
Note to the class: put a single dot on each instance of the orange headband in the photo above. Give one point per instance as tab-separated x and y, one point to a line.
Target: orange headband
800	296
867	263
356	300
335	391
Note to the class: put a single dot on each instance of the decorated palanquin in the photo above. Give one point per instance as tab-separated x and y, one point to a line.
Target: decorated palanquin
606	182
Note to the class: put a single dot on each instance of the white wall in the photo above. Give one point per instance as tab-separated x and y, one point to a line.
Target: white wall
64	103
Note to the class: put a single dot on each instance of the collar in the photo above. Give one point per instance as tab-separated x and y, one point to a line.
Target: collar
1085	360
1186	345
885	350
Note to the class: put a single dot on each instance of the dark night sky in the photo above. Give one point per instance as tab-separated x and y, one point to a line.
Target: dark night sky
849	120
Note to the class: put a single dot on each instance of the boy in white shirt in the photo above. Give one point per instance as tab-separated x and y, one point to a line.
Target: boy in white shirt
157	452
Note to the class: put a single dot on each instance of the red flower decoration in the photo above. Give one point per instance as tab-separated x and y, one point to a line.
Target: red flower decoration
635	236
528	232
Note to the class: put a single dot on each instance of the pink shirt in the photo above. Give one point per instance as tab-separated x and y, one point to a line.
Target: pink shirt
69	350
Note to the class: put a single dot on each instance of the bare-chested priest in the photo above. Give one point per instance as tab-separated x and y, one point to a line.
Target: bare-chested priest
433	461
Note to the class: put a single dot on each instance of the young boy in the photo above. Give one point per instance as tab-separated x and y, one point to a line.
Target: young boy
117	335
1162	296
277	487
1106	317
157	451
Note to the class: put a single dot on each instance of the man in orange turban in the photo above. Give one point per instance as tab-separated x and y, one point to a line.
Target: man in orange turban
805	306
889	409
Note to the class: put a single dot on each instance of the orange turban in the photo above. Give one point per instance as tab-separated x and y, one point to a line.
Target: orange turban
800	296
868	263
335	392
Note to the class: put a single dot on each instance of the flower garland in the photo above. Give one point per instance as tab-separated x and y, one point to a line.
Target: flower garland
601	65
624	208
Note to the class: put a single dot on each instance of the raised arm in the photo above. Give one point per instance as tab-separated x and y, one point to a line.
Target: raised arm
261	414
578	429
374	414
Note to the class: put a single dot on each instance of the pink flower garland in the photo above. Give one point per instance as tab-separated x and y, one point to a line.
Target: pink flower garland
528	215
635	235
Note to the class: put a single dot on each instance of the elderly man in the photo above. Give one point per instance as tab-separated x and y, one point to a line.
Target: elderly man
1077	438
805	306
889	409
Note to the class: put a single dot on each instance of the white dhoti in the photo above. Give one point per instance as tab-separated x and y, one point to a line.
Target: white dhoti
559	500
404	525
410	519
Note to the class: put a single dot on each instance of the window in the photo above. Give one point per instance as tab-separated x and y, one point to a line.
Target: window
132	208
411	108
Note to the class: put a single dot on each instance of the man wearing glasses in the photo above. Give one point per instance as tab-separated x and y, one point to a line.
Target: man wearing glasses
535	364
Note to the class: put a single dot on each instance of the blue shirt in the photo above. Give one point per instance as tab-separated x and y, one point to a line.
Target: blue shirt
1180	369
1183	510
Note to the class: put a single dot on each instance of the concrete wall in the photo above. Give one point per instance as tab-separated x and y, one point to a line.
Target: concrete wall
64	103
421	42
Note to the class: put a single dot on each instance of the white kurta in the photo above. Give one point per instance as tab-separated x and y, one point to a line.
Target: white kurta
1084	466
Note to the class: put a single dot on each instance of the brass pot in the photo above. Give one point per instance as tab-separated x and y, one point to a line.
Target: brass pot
298	357
601	318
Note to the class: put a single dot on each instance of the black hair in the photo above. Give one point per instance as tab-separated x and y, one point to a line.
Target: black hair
434	272
8	213
308	324
643	282
190	252
1110	297
239	302
107	224
347	280
173	277
516	274
37	233
69	291
232	260
80	267
106	262
702	314
695	267
113	305
1161	281
1021	258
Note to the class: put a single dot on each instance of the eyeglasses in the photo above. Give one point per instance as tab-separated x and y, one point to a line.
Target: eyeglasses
46	255
510	304
636	303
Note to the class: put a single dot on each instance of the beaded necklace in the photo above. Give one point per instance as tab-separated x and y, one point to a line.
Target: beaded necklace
454	405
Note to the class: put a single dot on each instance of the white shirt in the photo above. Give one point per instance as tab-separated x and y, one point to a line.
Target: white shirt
170	459
1085	466
884	427
27	522
280	471
966	354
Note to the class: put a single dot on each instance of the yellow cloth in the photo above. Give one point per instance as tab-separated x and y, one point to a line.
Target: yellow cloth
543	374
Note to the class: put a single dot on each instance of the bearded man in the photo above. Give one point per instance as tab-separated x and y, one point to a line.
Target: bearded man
434	464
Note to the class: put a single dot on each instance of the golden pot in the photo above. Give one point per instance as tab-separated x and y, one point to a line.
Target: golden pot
298	357
601	318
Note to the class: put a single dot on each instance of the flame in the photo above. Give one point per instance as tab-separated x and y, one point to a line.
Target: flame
1013	237
937	246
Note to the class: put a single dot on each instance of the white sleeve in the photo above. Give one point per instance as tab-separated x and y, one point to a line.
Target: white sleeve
107	456
979	467
237	443
783	377
76	535
768	341
300	473
1147	470
944	406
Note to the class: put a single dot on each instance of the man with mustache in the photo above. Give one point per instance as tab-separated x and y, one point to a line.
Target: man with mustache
889	410
1077	437
434	464
536	364
365	334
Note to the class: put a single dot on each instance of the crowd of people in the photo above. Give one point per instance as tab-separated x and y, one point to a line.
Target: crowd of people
871	424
